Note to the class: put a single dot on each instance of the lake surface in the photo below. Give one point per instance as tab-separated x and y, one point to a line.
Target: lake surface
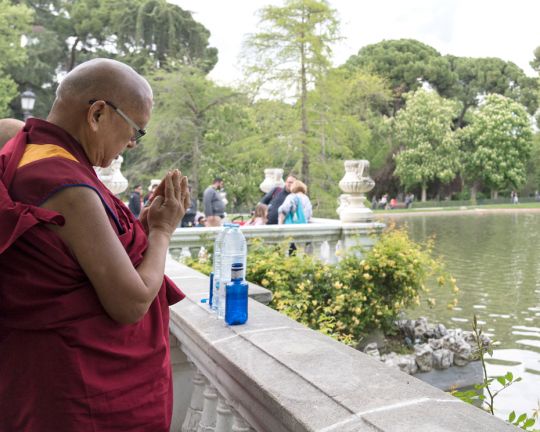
496	261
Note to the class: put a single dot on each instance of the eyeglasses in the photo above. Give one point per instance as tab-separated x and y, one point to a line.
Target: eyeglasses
139	132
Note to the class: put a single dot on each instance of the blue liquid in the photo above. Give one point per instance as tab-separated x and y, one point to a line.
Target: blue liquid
236	304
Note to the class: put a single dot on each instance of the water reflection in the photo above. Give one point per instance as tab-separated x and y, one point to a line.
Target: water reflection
496	261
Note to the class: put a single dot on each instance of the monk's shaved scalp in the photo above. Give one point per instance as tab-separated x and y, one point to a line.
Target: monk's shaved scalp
9	127
105	79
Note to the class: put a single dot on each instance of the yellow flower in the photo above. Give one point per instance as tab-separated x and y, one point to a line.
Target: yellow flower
338	285
367	276
265	282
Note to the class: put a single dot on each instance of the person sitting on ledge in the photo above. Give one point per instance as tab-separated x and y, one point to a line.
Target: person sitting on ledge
84	310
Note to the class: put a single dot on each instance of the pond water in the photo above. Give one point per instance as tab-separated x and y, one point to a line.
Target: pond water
496	261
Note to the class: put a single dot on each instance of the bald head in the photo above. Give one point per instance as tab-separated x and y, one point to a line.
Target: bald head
9	127
104	79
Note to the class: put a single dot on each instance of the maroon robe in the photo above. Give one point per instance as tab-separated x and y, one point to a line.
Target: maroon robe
65	365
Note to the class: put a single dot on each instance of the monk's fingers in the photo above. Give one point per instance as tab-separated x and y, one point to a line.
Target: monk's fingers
160	190
169	187
177	180
186	196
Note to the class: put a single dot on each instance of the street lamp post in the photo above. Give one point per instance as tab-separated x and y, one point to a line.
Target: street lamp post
28	99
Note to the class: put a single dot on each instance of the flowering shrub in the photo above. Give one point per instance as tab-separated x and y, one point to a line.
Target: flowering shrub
350	298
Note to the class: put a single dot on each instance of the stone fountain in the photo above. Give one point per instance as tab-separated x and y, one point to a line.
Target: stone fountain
112	177
355	183
273	177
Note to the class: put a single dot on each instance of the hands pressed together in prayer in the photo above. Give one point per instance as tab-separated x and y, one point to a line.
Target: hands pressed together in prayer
168	204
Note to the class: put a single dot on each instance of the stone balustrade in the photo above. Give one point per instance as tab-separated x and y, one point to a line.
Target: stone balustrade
323	237
275	375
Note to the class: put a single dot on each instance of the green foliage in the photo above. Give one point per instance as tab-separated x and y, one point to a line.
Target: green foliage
497	144
14	23
292	50
182	132
343	115
405	63
429	150
505	381
352	297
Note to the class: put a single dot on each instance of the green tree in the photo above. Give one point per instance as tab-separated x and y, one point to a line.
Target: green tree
293	47
14	23
184	101
345	116
405	63
480	76
429	150
496	145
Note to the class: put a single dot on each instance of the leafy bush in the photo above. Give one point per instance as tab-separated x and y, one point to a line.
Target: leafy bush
350	298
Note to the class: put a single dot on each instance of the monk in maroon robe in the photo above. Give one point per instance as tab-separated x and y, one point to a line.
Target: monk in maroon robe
83	297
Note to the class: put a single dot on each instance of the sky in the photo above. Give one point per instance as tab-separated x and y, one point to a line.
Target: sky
506	29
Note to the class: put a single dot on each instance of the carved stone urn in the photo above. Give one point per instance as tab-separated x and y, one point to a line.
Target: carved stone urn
272	177
355	183
112	177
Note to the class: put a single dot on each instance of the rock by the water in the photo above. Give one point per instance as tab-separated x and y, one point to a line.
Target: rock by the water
442	358
407	364
372	350
424	357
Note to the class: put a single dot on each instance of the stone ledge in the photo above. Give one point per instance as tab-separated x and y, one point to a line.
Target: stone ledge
282	376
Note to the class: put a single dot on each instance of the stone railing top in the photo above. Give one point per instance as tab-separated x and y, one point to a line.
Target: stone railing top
282	376
320	229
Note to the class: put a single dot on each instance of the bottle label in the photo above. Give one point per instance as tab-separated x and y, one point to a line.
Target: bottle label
237	273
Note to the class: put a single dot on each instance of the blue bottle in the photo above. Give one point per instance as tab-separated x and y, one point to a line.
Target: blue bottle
236	305
211	291
233	251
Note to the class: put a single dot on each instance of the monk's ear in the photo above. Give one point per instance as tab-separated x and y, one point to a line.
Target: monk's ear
93	116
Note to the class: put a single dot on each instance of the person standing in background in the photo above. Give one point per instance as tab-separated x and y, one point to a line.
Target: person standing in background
275	197
214	208
189	218
297	197
135	201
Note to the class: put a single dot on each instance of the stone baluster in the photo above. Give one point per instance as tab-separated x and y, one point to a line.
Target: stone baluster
239	424
208	417
318	249
194	413
332	250
224	416
186	253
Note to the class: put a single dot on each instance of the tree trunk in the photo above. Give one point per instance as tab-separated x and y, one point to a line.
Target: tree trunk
196	158
494	194
474	190
73	52
462	116
303	107
424	193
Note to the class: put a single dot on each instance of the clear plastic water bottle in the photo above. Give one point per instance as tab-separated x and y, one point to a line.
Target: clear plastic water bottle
216	267
233	251
236	293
